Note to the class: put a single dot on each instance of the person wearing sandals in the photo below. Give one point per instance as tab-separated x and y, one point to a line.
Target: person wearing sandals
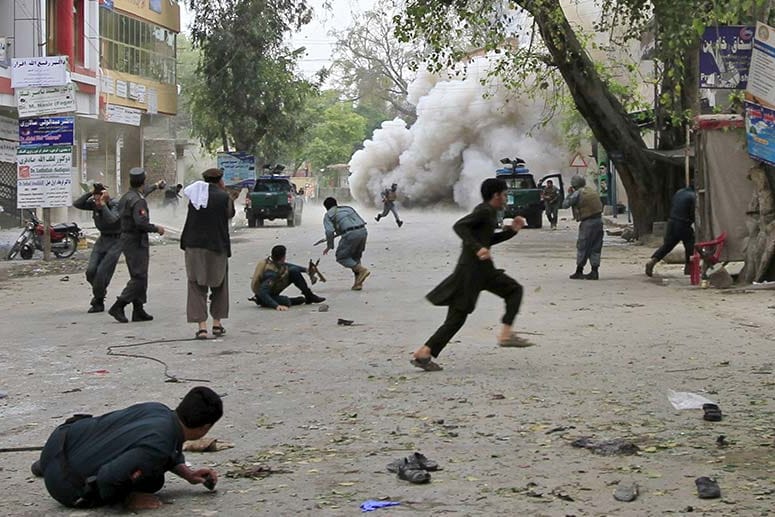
474	273
205	241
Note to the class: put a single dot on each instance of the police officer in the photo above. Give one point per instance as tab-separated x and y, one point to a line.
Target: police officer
344	221
107	249
135	227
389	197
586	203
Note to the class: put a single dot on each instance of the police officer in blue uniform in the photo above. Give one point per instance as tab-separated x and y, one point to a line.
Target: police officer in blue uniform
135	227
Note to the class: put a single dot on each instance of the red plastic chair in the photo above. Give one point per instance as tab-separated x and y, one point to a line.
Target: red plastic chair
707	253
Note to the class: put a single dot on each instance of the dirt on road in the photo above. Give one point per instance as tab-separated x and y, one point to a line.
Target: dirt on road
331	405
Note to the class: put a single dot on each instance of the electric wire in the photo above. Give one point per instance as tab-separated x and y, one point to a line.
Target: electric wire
169	378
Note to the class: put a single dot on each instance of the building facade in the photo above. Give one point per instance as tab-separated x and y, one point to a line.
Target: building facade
122	62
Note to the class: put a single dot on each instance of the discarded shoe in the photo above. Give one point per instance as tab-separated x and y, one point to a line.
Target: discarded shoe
707	488
416	460
408	472
712	413
426	364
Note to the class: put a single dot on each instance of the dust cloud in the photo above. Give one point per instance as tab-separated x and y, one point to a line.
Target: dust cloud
463	128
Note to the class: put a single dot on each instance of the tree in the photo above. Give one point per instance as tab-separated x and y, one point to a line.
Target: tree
249	95
336	133
374	65
448	25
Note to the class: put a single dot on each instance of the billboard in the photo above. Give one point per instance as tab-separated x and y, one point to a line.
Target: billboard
725	57
238	167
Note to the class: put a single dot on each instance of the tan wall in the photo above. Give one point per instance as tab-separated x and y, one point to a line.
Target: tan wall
169	17
167	94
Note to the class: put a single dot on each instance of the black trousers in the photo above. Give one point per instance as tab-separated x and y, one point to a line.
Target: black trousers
137	260
102	264
500	285
677	231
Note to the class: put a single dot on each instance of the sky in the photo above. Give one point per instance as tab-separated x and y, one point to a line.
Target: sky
315	36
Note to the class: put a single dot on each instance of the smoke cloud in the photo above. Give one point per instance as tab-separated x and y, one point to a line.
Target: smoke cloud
463	128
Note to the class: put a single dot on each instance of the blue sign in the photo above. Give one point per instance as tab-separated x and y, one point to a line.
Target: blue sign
237	167
760	132
725	57
45	131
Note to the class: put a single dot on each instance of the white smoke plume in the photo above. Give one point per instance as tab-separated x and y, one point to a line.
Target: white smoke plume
463	129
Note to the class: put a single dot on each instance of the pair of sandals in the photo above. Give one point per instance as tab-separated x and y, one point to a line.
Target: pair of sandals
218	331
415	468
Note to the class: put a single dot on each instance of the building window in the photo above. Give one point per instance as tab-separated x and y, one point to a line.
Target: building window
137	47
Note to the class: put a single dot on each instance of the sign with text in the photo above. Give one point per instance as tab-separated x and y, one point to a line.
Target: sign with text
761	79
121	89
760	132
39	71
8	151
237	167
725	56
44	176
45	100
122	115
44	131
9	129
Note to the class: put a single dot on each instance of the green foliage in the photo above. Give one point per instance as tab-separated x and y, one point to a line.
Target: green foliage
248	94
373	64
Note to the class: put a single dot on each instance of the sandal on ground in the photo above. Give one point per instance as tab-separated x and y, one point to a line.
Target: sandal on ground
712	412
408	472
201	334
515	341
416	460
427	364
218	330
707	488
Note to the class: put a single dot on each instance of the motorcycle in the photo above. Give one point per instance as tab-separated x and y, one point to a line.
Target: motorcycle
64	239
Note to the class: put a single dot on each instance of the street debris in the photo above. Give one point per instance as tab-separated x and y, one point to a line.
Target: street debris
712	413
206	445
687	400
371	505
256	472
416	460
626	492
345	323
613	447
3	394
707	488
323	307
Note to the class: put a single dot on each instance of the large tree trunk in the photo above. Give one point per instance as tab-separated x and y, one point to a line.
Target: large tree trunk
760	248
610	123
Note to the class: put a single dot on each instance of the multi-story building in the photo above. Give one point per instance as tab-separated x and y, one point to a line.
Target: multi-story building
122	62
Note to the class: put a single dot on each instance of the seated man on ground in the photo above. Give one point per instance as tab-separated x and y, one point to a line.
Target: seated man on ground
122	456
273	275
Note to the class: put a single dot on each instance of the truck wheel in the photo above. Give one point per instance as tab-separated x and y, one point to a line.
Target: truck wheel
291	220
251	221
535	220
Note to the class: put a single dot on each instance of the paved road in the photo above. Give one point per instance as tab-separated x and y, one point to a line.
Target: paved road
334	404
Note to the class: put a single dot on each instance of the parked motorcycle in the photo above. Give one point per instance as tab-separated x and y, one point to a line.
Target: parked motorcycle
64	239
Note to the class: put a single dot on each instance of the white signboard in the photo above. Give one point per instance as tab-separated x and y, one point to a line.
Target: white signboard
8	151
47	100
44	177
9	129
3	49
761	77
108	85
122	115
153	101
137	92
39	71
121	89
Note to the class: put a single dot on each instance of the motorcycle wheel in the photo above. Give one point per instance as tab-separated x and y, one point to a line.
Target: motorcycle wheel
70	245
27	251
17	246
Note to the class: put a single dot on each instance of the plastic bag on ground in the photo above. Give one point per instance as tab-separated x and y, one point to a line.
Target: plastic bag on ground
687	400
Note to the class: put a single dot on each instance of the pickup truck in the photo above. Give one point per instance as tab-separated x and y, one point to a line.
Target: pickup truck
273	197
524	195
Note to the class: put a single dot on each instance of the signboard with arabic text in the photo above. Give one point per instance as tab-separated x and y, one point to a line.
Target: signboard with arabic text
725	56
44	176
122	115
39	71
45	100
237	167
44	131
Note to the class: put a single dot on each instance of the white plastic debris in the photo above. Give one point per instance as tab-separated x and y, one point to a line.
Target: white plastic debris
687	400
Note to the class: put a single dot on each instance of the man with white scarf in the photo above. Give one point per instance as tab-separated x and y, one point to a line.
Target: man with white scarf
205	241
